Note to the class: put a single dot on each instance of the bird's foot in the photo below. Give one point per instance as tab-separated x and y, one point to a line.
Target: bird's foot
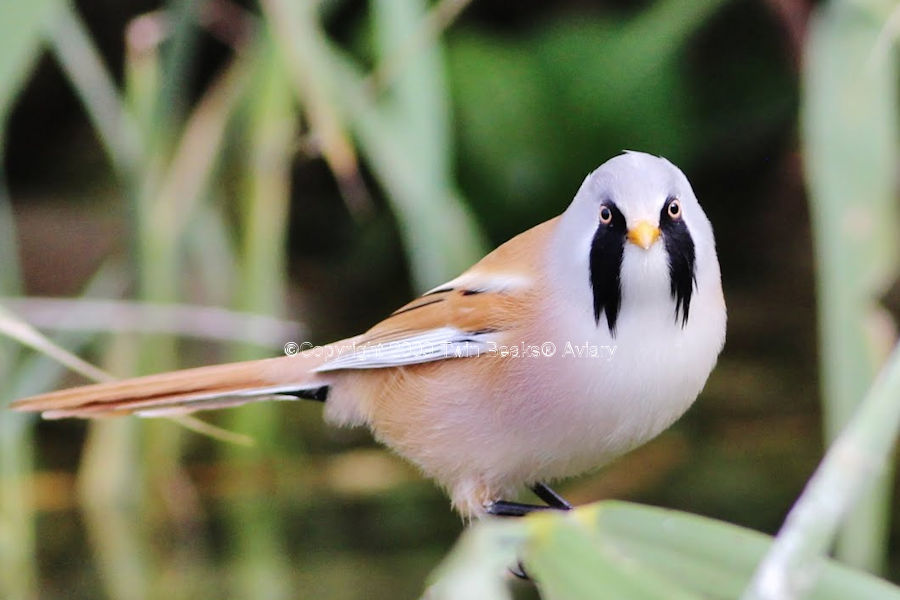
503	508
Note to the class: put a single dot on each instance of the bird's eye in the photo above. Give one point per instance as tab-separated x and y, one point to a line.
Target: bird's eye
605	215
674	209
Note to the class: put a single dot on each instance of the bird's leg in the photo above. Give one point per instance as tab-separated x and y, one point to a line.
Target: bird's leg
502	508
554	500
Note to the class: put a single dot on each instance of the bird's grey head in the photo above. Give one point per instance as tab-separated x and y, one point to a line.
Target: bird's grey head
645	224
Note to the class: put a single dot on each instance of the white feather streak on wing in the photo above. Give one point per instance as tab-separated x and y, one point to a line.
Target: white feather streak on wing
486	282
431	345
158	408
279	391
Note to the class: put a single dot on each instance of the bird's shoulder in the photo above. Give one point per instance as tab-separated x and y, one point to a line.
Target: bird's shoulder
495	294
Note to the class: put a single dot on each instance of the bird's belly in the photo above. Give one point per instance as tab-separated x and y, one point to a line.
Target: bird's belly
598	397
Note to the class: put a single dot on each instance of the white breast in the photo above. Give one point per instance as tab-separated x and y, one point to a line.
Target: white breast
599	395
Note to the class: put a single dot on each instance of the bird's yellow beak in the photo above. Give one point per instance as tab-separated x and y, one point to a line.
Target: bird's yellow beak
643	234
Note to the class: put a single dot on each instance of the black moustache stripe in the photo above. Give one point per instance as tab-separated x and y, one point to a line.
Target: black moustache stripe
680	249
607	249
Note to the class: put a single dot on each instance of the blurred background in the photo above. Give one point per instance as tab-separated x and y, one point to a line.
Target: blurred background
306	167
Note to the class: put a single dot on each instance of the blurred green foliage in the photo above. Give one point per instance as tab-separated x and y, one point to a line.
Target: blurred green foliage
851	152
268	157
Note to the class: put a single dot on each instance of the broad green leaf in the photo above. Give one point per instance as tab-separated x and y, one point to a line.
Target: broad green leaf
570	563
476	569
646	552
710	557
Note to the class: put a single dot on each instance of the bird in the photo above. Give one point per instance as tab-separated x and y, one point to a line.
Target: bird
562	349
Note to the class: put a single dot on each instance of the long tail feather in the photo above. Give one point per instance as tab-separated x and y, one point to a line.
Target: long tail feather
186	391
